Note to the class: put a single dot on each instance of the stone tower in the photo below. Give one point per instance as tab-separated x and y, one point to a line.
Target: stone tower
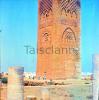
58	39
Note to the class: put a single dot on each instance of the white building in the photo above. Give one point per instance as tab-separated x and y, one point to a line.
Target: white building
29	75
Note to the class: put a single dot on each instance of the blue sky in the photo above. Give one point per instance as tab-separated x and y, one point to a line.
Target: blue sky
18	24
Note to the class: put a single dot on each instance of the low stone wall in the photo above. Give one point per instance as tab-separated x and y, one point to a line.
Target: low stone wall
74	92
59	92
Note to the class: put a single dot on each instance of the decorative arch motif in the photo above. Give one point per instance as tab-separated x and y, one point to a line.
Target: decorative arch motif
45	7
46	36
69	35
70	6
76	52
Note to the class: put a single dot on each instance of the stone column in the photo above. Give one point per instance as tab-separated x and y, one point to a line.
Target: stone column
96	77
15	90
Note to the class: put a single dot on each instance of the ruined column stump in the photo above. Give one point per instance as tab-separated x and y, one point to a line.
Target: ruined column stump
15	90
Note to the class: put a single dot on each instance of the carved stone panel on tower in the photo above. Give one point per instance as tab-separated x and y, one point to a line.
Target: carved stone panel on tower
70	6
45	7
